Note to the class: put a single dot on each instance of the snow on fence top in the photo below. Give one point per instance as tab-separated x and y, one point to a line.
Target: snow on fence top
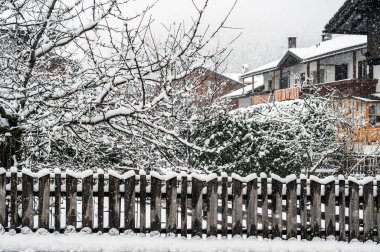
194	204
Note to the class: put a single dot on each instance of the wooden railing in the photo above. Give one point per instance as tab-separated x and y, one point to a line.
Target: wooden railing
367	135
191	205
261	98
287	94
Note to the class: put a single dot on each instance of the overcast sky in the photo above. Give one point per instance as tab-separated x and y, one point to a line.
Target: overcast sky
266	24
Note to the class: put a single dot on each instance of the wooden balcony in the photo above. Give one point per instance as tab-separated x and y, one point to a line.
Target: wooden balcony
357	87
368	135
261	98
287	94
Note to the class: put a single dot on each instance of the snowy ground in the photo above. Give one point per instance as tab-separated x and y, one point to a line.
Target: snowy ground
106	242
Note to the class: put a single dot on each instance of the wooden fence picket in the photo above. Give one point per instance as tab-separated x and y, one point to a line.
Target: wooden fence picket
196	206
129	202
27	201
303	207
342	208
14	215
87	200
114	201
330	208
57	200
71	199
237	207
184	205
3	216
315	193
43	201
155	206
291	207
224	205
171	205
368	211
252	207
212	207
276	207
143	185
264	206
353	209
100	200
377	221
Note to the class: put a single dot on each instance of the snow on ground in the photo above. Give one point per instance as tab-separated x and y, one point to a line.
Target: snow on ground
106	242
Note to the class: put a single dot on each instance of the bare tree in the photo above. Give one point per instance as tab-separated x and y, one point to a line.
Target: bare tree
83	83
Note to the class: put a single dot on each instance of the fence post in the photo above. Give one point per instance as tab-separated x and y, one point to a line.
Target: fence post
129	200
184	204
330	206
224	204
143	185
354	208
14	214
264	204
57	199
303	206
114	200
43	198
87	199
196	205
155	205
315	194
378	207
368	212
100	200
251	205
3	218
291	206
276	206
27	199
171	204
212	205
237	204
71	198
342	208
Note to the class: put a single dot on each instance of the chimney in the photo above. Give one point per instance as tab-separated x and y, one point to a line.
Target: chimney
245	68
326	37
292	42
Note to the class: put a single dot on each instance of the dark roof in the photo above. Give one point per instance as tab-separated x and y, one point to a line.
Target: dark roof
351	18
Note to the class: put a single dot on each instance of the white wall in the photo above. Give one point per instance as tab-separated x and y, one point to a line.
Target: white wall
376	75
244	102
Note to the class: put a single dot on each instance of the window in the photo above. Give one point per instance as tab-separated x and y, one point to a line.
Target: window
284	81
269	84
303	78
362	69
341	72
322	76
374	114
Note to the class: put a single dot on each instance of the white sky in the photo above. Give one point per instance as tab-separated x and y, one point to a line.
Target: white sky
266	24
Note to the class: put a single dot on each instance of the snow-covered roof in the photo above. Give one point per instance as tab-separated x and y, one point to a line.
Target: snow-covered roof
233	76
259	82
339	45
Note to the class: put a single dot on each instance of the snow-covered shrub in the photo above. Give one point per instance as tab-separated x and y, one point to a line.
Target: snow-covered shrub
281	138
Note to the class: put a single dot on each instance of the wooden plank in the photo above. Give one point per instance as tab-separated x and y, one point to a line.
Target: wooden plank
368	211
224	205
3	217
291	208
252	208
378	209
71	200
129	201
196	207
330	208
143	185
171	206
342	209
315	195
237	204
155	206
212	207
184	206
114	202
303	207
43	201
57	201
27	201
276	207
87	201
14	214
353	210
101	200
264	206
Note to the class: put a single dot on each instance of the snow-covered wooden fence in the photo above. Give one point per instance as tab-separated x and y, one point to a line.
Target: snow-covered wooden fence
192	205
